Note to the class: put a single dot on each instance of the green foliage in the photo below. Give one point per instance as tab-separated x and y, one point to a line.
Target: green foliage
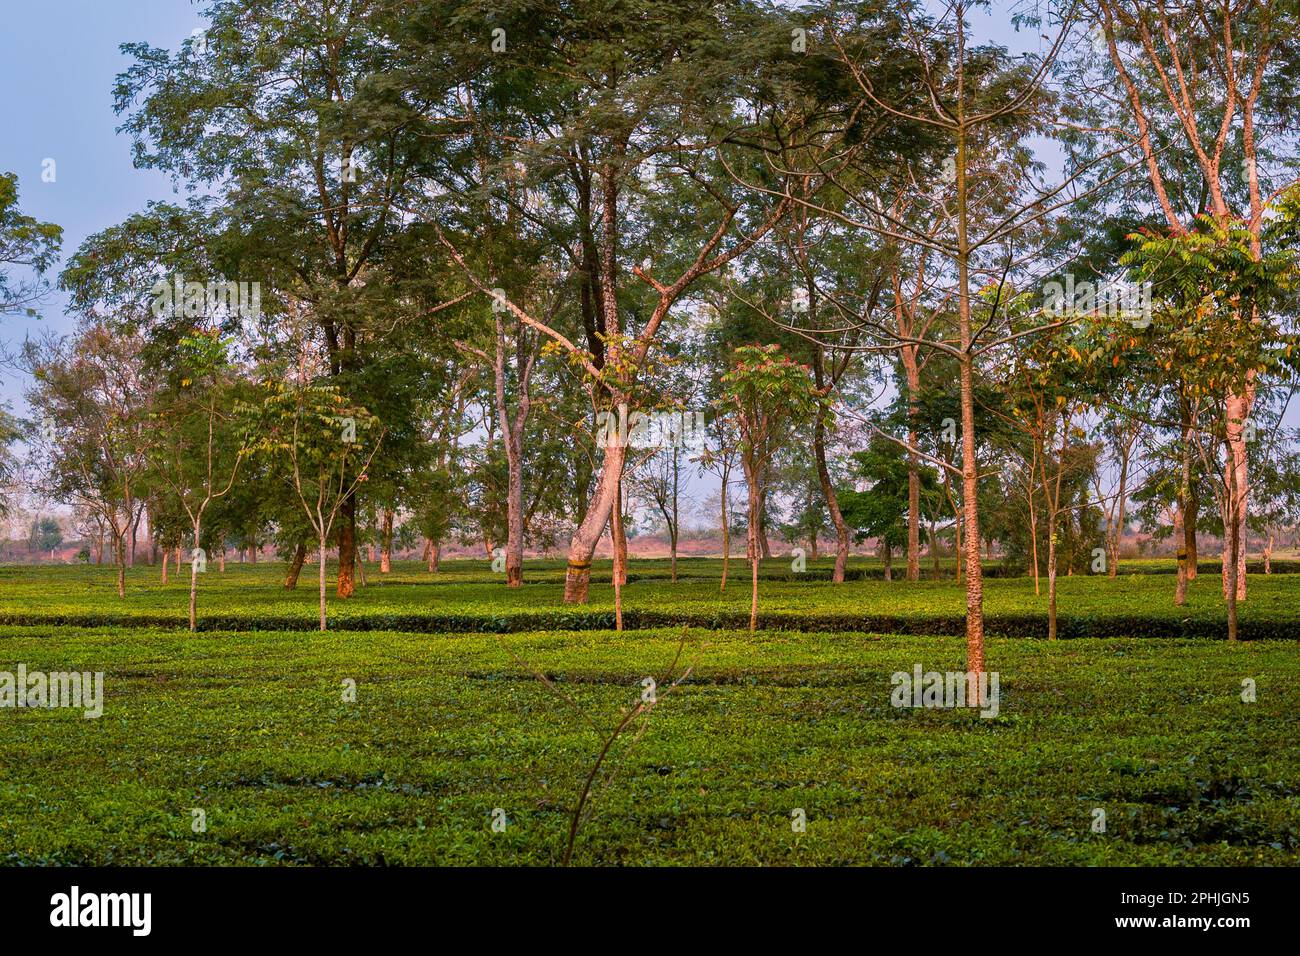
466	597
880	511
251	728
24	242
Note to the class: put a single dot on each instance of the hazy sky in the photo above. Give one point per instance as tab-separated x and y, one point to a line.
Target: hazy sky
58	60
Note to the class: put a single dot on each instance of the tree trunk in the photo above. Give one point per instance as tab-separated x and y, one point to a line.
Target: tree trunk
1238	410
347	580
135	525
514	506
1233	555
119	553
1184	516
321	571
1033	530
726	528
934	550
435	552
1268	554
577	577
386	543
887	555
1120	507
1051	571
832	502
618	534
194	586
970	471
752	537
295	565
672	531
164	566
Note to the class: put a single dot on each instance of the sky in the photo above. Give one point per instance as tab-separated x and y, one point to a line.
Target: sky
58	61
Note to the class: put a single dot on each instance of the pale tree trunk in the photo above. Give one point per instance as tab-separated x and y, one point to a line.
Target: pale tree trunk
832	502
958	524
1232	561
1268	554
726	527
435	552
133	517
577	576
1053	501
1051	572
321	578
1186	556
672	534
512	431
1189	505
1121	507
577	579
386	544
1033	518
119	557
752	544
913	468
164	566
1180	590
618	536
194	585
1238	410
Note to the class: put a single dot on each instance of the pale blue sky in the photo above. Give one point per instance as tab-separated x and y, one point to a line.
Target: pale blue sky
58	60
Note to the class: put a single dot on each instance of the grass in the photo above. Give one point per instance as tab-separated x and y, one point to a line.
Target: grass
467	596
249	724
252	728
